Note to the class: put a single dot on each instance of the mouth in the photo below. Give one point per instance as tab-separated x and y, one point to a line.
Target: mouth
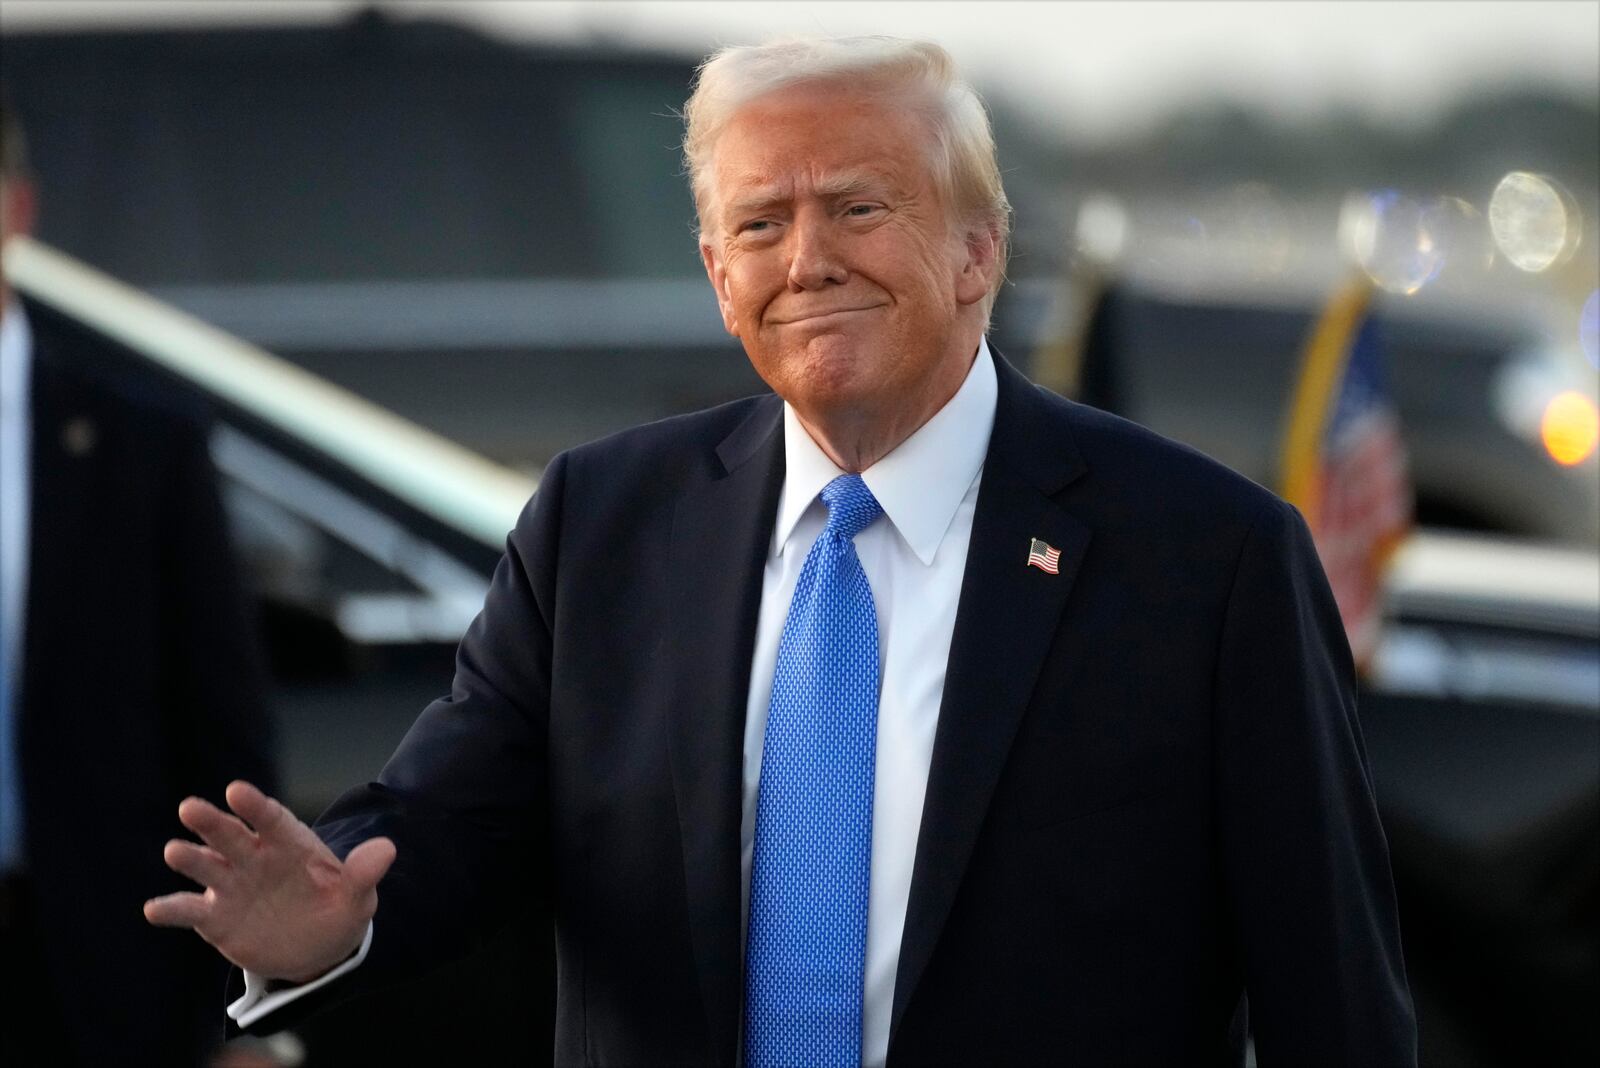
829	313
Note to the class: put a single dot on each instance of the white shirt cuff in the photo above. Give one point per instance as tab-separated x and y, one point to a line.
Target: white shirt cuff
257	1003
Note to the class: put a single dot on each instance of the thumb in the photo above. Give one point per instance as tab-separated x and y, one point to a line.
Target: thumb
368	863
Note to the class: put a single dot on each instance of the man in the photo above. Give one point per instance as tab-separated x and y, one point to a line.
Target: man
128	679
911	716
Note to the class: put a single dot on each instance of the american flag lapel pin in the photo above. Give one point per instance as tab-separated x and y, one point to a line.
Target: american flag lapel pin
1044	556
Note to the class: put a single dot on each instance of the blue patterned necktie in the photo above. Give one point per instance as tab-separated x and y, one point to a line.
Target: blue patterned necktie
807	943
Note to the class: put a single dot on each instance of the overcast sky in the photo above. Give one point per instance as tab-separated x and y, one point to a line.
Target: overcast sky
1095	69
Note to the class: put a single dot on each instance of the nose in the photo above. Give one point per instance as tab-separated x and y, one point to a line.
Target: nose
815	261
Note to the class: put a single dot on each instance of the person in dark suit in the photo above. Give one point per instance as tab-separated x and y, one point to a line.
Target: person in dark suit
912	715
130	680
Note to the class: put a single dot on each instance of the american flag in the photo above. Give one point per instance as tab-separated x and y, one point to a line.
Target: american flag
1044	556
1345	465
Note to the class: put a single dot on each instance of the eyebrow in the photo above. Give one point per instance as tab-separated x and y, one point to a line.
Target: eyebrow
849	183
833	186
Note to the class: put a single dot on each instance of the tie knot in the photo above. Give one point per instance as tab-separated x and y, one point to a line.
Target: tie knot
851	506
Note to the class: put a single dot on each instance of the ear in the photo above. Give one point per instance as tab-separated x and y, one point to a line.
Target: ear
717	272
979	266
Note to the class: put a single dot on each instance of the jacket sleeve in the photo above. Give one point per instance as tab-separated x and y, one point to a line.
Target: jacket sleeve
1305	861
464	797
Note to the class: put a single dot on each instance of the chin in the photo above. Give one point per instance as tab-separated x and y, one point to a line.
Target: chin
833	369
838	365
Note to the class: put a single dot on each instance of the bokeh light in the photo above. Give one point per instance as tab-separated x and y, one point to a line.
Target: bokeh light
1461	237
1391	237
1535	222
1570	428
1589	329
1102	228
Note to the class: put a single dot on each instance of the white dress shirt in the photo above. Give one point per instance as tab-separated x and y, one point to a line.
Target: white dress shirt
16	429
914	556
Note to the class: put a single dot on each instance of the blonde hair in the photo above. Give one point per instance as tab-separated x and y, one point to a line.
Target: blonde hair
920	72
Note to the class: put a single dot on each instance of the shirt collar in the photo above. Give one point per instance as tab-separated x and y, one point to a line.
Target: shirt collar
16	344
919	484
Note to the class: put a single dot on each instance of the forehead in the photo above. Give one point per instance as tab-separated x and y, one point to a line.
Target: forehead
821	139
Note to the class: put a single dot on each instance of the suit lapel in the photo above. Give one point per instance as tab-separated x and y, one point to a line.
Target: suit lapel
721	532
1006	622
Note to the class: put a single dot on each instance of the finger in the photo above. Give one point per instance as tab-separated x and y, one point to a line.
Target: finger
222	832
177	910
265	814
368	863
202	864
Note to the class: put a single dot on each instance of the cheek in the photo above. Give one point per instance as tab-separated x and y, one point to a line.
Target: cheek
942	264
732	300
925	267
749	283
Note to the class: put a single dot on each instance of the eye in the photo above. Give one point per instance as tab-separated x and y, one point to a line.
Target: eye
861	210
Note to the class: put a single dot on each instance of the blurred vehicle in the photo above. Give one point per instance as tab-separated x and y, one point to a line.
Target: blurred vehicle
368	542
1482	723
1214	366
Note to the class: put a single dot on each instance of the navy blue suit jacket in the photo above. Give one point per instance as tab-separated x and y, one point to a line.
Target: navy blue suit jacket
1148	790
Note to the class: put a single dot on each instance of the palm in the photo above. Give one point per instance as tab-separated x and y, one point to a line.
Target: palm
277	901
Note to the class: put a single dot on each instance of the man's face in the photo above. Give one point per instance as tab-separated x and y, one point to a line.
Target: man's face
835	259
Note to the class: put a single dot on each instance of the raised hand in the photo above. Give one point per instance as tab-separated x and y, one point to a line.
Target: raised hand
277	902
